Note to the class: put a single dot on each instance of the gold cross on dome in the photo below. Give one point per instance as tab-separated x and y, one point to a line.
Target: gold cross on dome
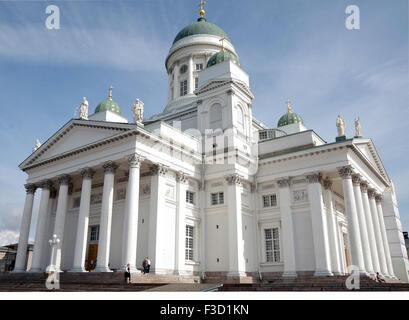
110	92
201	11
288	103
222	41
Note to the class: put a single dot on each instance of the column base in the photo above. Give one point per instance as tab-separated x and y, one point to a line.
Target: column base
236	274
19	271
55	269
181	273
337	274
102	269
289	274
77	270
323	273
36	271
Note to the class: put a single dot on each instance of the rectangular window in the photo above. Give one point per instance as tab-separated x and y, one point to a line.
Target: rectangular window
199	66
183	88
94	233
270	201
272	242
190	197
196	83
217	198
189	243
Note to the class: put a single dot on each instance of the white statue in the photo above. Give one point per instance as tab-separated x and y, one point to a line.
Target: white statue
137	110
340	126
82	109
37	145
358	128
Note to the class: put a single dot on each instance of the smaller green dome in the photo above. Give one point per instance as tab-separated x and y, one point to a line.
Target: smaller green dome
110	105
223	56
289	118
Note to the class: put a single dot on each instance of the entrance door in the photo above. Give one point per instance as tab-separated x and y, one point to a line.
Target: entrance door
92	256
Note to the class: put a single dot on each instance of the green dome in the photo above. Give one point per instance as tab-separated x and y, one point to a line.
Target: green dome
289	118
110	105
200	27
221	57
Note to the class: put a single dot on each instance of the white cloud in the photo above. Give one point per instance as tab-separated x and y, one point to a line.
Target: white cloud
8	237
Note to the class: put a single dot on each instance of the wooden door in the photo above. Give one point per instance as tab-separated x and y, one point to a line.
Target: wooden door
92	256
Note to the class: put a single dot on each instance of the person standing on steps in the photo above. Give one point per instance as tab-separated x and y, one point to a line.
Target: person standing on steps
128	274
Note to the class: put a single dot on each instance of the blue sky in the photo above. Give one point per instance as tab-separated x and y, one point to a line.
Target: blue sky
293	49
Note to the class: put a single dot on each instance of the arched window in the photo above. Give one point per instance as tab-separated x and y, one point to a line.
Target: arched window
216	117
240	118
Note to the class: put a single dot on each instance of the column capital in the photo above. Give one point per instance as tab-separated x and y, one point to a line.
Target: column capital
364	186
182	177
378	198
314	178
110	167
64	180
356	179
53	193
159	169
234	179
328	184
46	184
371	193
87	173
30	188
135	160
346	172
202	186
284	182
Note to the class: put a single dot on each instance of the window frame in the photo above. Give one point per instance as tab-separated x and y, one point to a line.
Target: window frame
183	88
189	243
273	240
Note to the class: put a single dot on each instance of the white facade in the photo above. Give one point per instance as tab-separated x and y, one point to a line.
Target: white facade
204	188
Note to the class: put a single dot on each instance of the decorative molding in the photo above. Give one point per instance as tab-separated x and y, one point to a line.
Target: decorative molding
87	173
135	160
30	188
110	167
182	177
284	183
314	178
371	193
378	198
356	179
364	186
64	180
159	169
327	184
300	196
234	179
346	172
46	184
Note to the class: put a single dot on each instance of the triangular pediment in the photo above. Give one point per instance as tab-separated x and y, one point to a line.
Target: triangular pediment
73	135
216	84
368	150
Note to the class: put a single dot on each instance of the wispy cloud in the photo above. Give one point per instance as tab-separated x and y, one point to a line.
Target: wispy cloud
95	47
8	237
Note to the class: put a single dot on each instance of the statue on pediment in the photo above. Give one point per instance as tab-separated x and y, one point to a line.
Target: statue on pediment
83	109
341	126
137	110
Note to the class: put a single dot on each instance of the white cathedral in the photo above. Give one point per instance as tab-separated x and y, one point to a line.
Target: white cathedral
206	189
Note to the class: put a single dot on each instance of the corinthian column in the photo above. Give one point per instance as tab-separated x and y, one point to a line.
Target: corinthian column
352	217
83	221
156	223
319	227
182	183
131	217
333	231
378	234
20	265
237	263
64	182
370	225
106	218
287	225
362	225
388	258
36	265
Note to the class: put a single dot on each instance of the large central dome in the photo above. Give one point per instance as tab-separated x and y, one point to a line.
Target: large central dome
200	27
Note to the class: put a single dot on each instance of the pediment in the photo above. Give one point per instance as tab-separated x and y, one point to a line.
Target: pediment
75	134
368	150
215	84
